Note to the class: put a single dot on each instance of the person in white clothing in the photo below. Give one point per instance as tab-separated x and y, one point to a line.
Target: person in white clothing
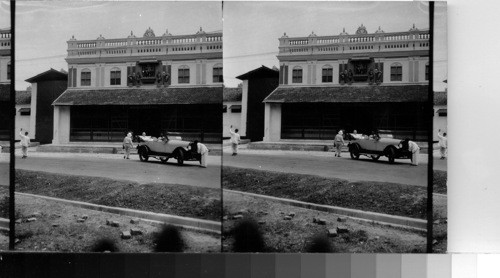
25	142
443	144
203	150
413	148
235	140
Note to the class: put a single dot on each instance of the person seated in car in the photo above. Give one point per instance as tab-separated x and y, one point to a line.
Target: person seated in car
374	135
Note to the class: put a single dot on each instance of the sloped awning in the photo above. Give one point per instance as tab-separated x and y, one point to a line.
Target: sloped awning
346	93
24	110
140	96
235	107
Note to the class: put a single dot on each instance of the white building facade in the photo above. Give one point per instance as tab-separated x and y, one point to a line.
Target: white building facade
363	81
153	84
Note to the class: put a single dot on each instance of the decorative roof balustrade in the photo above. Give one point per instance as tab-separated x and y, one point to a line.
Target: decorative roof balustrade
201	42
5	39
361	41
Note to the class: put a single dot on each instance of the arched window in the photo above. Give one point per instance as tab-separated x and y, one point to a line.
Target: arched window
217	74
396	72
183	76
297	75
327	74
427	71
115	76
85	77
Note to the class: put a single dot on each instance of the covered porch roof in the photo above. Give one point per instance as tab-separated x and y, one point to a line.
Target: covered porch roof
346	93
141	96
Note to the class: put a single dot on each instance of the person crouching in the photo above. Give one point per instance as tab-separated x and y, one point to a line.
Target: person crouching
203	151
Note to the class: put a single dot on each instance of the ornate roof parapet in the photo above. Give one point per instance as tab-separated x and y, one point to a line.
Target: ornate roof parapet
413	29
379	31
131	35
167	33
149	33
361	30
100	37
72	38
344	33
312	34
284	36
200	32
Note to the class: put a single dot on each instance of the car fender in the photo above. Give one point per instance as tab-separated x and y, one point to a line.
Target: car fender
387	150
143	147
354	146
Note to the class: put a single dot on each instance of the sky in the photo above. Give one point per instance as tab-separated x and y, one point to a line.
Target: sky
43	28
4	14
252	29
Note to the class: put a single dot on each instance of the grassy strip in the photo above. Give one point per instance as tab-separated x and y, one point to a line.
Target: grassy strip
389	198
182	200
440	178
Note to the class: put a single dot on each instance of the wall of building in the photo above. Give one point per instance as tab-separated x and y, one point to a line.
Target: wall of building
47	92
200	73
61	127
272	122
33	106
244	109
21	120
230	118
4	61
413	70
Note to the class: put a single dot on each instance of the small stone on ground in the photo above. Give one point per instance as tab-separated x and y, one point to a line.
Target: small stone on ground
135	232
32	219
126	235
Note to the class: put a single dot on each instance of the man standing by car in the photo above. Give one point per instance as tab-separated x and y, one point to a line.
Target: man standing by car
235	140
338	143
127	145
25	142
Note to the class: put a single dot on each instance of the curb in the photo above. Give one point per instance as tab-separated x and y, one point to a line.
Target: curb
440	195
4	224
188	223
380	218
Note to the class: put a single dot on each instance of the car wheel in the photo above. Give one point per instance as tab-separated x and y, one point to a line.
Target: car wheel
143	155
391	154
354	150
375	157
180	158
164	159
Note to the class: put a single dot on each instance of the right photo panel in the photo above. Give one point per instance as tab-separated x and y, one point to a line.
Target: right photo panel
326	129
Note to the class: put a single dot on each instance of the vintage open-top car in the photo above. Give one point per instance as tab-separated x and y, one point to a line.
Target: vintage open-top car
163	149
376	147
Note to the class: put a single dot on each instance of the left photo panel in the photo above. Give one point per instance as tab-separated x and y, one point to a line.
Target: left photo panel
5	121
118	126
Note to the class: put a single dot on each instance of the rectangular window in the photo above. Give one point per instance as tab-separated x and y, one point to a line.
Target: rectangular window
25	111
235	109
8	72
397	73
327	75
183	76
217	75
426	72
297	76
85	79
115	78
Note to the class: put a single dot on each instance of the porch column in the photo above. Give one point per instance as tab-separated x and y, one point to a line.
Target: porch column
61	124
272	122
